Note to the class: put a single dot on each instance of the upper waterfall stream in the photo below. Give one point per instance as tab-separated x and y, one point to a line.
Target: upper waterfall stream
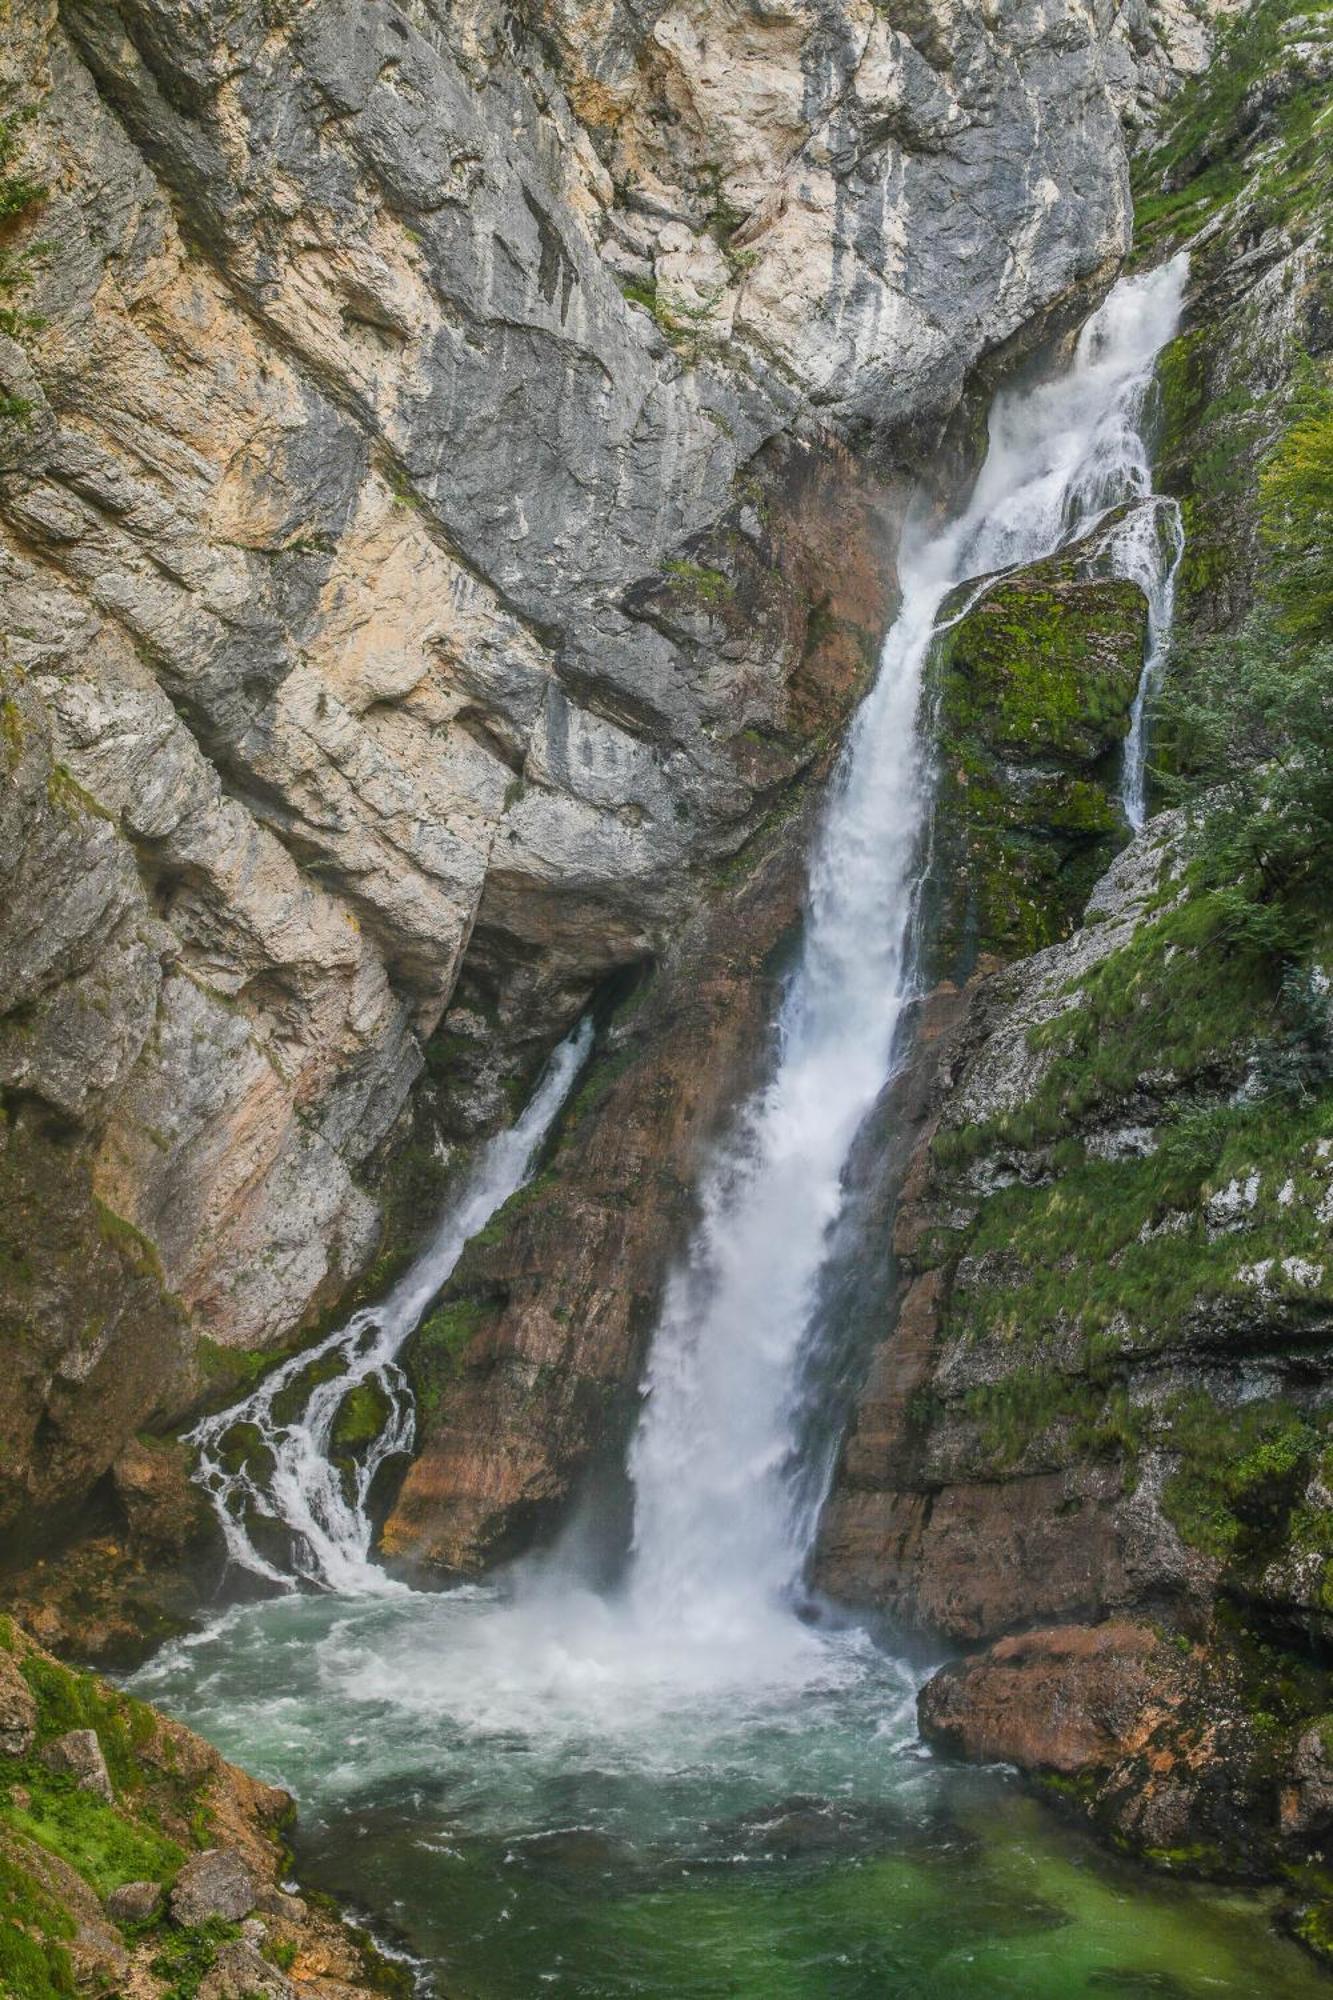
698	1785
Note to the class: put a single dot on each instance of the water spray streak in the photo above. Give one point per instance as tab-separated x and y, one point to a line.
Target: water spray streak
1148	552
722	1522
289	1478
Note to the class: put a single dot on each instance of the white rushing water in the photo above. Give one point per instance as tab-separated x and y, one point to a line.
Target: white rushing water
1147	551
322	1507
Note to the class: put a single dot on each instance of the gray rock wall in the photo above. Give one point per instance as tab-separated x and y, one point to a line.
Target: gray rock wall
391	401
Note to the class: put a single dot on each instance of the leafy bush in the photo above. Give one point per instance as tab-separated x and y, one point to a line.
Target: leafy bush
1250	730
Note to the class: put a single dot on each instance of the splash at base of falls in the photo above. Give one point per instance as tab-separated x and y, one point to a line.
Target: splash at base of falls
285	1479
529	1815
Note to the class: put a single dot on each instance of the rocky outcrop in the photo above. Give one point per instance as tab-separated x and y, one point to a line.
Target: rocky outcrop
1103	1400
526	1372
1107	1366
393	410
1179	1751
945	1456
1030	700
163	1873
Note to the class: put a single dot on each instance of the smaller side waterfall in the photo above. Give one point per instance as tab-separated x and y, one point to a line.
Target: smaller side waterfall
1147	551
287	1475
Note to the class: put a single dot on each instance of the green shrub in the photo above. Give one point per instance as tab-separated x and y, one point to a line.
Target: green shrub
186	1957
102	1843
1296	517
1250	725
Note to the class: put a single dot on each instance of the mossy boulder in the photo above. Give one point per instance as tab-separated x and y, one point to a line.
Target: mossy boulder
86	1879
362	1415
1033	691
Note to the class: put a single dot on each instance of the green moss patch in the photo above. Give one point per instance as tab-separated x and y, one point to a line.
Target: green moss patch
361	1417
433	1352
104	1844
34	1927
69	1700
1240	1474
185	1958
1032	692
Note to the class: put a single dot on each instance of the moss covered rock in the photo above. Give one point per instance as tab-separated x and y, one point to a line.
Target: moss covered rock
361	1416
1033	691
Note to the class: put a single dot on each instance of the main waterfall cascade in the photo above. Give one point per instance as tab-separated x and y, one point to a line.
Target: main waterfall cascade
498	1758
722	1527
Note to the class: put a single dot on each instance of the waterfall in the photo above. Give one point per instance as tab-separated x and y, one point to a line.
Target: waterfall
288	1476
723	1519
722	1524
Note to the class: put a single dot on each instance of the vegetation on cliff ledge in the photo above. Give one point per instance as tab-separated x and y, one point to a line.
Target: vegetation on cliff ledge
103	1803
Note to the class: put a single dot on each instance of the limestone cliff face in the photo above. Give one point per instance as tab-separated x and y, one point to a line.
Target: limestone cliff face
393	405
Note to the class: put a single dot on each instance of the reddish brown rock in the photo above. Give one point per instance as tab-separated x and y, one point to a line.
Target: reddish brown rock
565	1295
164	1510
560	1296
1183	1748
1068	1698
1307	1800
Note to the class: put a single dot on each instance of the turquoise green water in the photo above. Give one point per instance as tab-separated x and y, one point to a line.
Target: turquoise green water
531	1811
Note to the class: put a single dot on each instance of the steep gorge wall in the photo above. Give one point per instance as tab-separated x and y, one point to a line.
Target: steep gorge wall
1092	1448
419	431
